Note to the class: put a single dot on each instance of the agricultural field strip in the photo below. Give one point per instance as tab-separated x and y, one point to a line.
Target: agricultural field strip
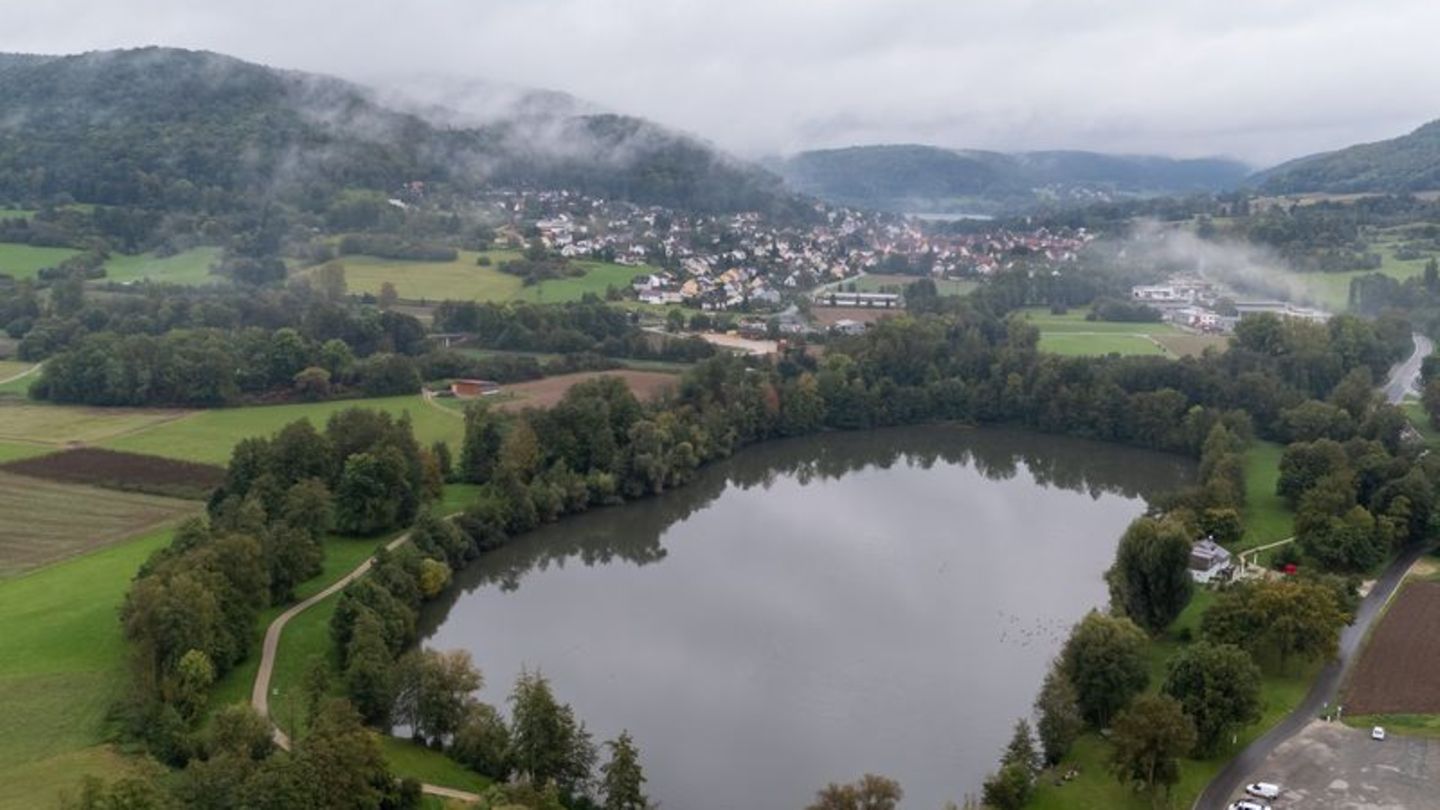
1390	677
47	521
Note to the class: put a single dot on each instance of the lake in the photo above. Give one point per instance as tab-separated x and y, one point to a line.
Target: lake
814	609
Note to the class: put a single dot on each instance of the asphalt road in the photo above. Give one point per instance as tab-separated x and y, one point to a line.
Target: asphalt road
1405	376
1226	784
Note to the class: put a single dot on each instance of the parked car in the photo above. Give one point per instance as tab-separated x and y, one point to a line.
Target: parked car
1265	790
1249	804
1377	733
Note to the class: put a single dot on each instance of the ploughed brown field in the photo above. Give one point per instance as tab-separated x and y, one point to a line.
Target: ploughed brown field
1396	673
125	471
548	391
829	316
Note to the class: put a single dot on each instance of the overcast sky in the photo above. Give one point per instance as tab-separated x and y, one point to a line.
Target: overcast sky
1261	80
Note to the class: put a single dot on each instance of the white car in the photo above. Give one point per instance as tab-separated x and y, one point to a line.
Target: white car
1265	790
1247	804
1377	733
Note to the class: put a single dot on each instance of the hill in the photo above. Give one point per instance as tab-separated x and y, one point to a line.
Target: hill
163	128
1407	163
928	178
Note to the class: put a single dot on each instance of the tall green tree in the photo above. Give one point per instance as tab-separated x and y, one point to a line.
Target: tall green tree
1057	711
1218	686
1149	738
621	779
1150	579
1104	659
547	743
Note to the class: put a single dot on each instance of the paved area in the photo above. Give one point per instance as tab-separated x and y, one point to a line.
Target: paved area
1330	766
1404	379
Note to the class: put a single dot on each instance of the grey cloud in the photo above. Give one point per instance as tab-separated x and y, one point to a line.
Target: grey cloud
1260	81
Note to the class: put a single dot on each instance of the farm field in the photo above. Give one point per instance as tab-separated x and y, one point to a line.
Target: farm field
545	392
16	213
188	267
880	282
829	316
1187	345
24	261
62	666
463	280
1395	672
208	436
57	425
13	451
1081	343
131	472
46	521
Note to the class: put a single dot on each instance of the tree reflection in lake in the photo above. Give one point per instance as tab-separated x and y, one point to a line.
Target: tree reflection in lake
883	601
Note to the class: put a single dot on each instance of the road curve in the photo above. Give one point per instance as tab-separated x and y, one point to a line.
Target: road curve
260	692
1404	378
1322	693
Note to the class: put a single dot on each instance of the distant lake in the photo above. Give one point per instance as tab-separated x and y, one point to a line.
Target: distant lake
814	609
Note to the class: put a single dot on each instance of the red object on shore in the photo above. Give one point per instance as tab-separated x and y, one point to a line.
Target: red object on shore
1291	568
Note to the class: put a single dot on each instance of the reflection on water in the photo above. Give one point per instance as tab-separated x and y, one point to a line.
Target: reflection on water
814	609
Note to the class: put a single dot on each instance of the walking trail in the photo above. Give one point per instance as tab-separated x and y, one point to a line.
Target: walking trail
22	375
260	692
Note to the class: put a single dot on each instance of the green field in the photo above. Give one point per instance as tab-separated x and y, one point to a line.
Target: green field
24	261
41	423
189	267
16	213
1267	517
1332	290
1070	334
1080	344
463	280
14	451
12	368
207	436
879	282
1415	412
62	665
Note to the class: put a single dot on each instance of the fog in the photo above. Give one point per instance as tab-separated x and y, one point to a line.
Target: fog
1258	81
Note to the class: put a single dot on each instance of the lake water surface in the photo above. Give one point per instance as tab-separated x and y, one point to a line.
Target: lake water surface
814	609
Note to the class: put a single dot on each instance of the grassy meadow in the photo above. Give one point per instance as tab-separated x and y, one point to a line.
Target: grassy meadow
27	422
188	267
1070	334
464	280
62	665
24	261
208	436
1267	517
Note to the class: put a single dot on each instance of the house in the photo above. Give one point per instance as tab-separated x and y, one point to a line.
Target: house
845	326
1207	559
470	389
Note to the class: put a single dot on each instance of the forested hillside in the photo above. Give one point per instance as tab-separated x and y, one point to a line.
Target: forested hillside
183	130
928	178
1407	163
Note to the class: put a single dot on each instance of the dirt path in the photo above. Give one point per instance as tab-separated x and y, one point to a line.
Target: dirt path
260	692
22	375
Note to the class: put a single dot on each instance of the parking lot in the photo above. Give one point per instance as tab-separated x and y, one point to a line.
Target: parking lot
1329	766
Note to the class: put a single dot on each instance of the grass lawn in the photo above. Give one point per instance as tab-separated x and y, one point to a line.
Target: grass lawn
62	665
10	368
463	280
42	423
407	758
1415	725
1332	290
1097	787
189	267
207	436
16	213
1415	412
24	261
1079	344
1074	321
1267	517
14	451
880	282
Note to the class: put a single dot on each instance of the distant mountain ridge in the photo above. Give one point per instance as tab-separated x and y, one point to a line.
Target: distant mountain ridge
913	177
164	128
1410	162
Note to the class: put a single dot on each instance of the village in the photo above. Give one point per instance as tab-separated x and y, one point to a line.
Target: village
748	263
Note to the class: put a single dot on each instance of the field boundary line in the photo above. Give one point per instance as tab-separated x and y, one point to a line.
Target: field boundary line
270	648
